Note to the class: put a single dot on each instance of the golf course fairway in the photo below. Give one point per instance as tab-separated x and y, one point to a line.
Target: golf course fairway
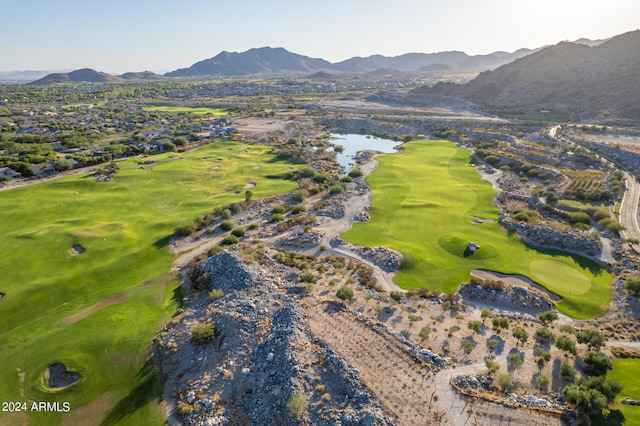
429	204
96	308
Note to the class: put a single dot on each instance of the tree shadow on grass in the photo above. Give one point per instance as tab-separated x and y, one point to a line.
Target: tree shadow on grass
163	242
149	388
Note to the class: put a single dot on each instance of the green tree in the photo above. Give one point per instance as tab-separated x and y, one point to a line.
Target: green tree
520	334
567	370
566	344
598	363
247	195
592	338
169	147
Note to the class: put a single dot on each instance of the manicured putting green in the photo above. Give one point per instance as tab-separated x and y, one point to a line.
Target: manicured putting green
429	204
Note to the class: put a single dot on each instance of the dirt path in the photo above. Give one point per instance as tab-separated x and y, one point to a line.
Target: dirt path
407	387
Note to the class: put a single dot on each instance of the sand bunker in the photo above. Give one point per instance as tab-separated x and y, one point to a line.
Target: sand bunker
250	185
58	376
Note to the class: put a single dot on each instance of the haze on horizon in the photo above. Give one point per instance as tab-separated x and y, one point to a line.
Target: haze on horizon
163	35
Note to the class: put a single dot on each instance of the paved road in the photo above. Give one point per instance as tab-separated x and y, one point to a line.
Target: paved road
629	208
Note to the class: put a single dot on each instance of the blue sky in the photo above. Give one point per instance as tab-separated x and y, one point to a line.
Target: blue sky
163	35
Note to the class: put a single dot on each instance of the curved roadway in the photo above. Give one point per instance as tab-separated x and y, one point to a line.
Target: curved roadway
629	208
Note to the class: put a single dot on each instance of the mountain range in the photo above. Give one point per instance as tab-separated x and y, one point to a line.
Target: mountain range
93	76
581	80
269	60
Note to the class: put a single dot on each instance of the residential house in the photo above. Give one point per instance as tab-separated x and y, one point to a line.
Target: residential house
43	169
9	173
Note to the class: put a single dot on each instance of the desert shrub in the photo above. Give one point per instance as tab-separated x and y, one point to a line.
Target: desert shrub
298	208
505	382
579	217
544	334
336	189
396	295
468	345
633	286
299	195
515	359
254	226
238	232
424	333
279	210
203	333
475	325
297	405
308	277
320	177
566	328
543	381
547	317
216	294
354	173
226	225
344	293
277	217
186	230
229	240
500	322
542	356
492	366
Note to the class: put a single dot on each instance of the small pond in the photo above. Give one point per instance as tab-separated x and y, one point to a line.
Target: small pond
353	143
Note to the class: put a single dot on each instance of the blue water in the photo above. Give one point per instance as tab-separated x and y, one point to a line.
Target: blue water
353	143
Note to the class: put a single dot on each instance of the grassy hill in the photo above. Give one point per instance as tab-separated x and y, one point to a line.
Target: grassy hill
428	203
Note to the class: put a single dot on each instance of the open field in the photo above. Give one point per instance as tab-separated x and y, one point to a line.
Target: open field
430	207
215	112
97	308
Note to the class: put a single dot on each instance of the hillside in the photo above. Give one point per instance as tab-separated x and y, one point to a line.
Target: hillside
81	75
143	75
586	82
265	60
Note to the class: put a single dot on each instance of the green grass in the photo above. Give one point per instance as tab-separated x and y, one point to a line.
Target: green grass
124	226
575	206
215	112
425	203
626	372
